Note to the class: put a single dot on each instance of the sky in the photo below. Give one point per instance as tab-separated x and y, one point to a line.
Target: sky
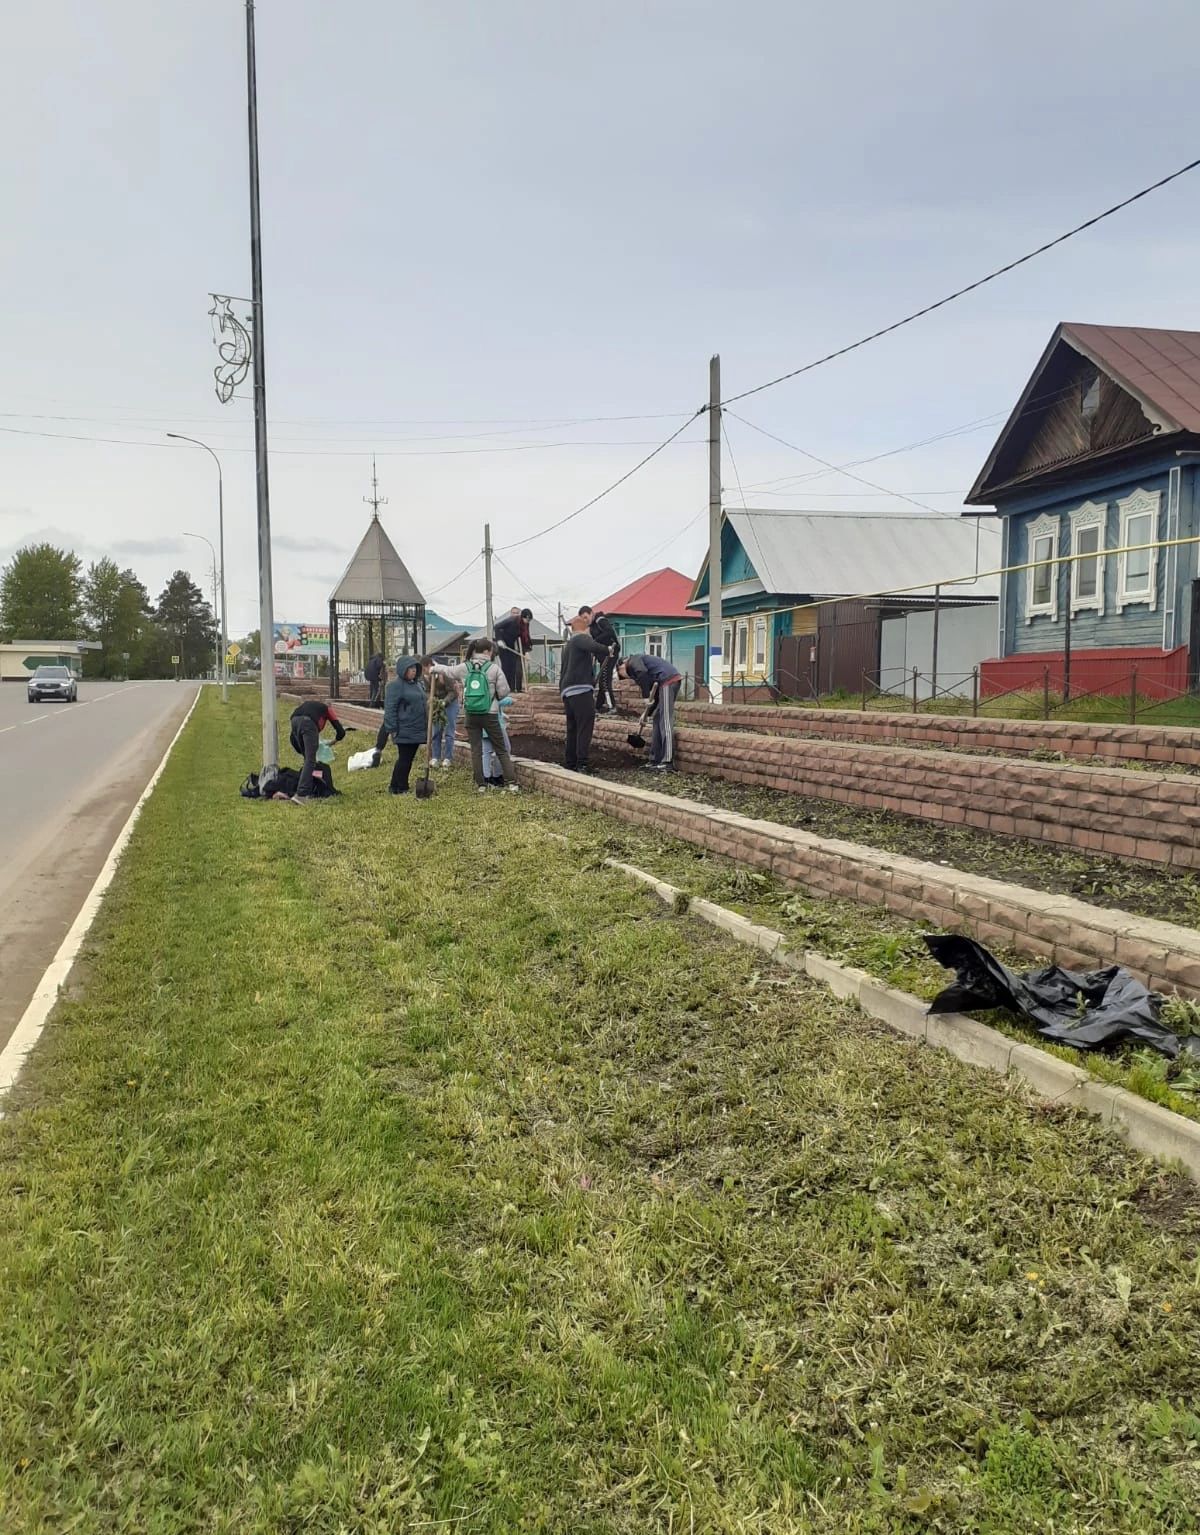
486	227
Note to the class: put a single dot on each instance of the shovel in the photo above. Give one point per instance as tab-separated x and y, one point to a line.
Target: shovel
635	738
425	789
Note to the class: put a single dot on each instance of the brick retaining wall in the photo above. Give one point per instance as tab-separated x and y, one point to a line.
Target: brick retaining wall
1074	934
1148	817
1168	745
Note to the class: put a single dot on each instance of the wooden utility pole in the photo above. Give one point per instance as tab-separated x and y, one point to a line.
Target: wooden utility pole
715	624
487	578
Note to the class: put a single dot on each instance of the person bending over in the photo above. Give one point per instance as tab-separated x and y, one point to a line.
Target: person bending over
650	672
514	644
308	721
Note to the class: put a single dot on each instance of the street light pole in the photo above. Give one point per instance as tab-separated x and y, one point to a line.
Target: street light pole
217	669
266	604
224	665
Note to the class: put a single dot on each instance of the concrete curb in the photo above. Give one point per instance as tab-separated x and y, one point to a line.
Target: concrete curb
1158	1132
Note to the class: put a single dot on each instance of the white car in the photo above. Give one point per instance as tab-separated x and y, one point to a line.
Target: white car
53	682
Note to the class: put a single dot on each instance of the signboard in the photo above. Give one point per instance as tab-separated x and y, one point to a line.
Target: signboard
233	652
301	639
174	660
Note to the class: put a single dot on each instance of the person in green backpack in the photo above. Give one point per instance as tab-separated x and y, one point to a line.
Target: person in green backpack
483	685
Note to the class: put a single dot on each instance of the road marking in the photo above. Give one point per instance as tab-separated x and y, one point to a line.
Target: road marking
33	1019
20	725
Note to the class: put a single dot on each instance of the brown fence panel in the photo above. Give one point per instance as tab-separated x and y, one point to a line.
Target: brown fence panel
848	641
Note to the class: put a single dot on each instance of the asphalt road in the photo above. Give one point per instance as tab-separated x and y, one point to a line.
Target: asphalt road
71	774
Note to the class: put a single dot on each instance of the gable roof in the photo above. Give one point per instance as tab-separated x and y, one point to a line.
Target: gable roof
659	594
837	554
1160	369
376	573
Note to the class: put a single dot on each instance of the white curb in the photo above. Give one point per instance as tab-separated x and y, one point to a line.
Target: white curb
1151	1128
41	1004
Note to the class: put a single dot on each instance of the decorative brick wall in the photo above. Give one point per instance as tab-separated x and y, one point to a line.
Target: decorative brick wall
1168	745
1148	817
1058	927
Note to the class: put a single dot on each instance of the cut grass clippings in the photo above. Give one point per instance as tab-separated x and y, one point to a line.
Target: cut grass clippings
394	1172
1148	890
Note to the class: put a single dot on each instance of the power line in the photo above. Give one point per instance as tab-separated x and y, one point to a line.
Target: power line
472	561
608	489
364	452
979	282
912	501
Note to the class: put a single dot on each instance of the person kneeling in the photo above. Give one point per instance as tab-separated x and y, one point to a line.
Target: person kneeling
404	718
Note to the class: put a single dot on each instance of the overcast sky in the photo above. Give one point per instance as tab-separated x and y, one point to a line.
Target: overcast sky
482	220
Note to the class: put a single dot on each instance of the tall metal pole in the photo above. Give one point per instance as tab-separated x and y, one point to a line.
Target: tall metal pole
266	603
715	621
487	577
195	441
213	554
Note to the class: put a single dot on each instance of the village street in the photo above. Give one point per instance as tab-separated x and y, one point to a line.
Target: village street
72	773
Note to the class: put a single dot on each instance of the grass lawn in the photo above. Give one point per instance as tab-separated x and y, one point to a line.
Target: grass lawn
397	1169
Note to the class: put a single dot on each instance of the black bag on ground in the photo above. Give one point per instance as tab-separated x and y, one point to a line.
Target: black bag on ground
1100	1007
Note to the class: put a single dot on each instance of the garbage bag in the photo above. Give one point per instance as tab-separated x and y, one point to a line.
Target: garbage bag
325	752
1087	1012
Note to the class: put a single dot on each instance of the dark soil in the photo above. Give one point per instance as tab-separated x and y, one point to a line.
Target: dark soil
1149	891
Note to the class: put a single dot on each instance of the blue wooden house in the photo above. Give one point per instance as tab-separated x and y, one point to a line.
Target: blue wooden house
820	602
1098	457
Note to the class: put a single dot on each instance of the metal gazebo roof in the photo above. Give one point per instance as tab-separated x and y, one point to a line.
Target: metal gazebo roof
377	575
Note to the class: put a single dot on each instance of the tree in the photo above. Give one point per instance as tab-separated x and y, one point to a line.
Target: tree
118	613
185	623
40	594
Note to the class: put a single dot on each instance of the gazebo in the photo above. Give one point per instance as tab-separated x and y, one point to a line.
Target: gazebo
375	607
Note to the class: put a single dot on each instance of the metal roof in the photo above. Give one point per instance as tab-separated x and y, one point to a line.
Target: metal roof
1160	367
658	594
377	573
831	554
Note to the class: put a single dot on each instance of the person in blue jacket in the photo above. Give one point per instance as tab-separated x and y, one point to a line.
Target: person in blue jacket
653	674
404	703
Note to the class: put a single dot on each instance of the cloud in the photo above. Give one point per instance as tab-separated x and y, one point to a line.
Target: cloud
289	545
135	547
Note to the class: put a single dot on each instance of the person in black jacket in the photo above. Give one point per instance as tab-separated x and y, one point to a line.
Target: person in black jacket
308	721
601	630
575	683
374	672
513	644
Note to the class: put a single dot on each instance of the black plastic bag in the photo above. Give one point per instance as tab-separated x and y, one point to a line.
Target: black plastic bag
1101	1007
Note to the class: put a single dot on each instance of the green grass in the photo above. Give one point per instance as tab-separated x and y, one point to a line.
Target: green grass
397	1169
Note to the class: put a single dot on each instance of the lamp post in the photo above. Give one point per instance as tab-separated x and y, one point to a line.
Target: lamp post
219	669
196	443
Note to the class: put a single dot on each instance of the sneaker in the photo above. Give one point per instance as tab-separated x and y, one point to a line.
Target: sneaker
513	788
302	799
481	788
447	762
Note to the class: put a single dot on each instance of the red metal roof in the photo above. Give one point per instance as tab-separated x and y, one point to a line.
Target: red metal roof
660	594
1160	366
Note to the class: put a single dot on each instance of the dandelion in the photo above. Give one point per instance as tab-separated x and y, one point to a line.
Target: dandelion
1167	1306
1033	1276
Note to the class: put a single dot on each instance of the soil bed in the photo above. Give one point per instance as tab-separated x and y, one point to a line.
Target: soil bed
1148	891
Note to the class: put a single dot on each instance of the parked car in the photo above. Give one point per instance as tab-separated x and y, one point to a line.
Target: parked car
53	682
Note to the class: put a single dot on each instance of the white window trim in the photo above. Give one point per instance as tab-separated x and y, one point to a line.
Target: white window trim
1139	504
741	644
1090	515
661	636
1043	526
760	630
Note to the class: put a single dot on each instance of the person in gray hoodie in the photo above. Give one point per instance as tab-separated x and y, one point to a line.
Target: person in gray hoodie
404	704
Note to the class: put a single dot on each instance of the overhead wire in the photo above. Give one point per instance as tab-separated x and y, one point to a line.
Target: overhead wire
858	478
475	558
608	489
949	298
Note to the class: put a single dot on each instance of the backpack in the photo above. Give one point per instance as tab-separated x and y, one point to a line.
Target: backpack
477	690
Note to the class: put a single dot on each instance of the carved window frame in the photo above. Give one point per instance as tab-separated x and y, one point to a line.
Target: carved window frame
1090	515
1141	503
1044	526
